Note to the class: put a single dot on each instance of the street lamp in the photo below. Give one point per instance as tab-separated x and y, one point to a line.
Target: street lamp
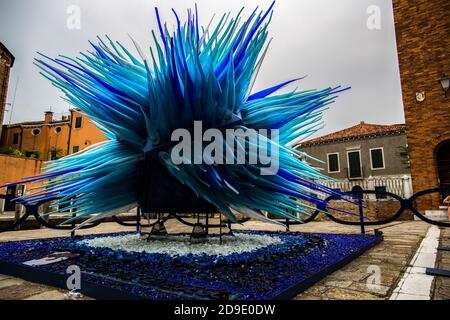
445	83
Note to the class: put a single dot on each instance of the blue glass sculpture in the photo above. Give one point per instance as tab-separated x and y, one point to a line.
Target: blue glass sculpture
191	74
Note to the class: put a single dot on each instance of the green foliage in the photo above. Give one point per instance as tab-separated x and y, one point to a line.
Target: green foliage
12	152
32	154
56	154
17	153
20	154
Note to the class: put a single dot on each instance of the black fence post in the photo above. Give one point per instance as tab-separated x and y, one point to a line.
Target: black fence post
207	223
72	233
138	219
357	191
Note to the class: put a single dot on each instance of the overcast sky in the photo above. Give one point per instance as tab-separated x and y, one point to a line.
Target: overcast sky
327	40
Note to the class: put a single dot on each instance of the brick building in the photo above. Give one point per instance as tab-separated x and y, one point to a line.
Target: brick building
422	31
6	63
51	139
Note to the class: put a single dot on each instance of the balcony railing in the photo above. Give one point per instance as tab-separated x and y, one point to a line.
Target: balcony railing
399	185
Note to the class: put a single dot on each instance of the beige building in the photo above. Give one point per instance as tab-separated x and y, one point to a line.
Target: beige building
52	138
39	141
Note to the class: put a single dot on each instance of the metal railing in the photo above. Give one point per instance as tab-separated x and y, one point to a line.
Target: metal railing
357	193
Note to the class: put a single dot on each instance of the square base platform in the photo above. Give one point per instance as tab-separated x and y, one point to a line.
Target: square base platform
278	271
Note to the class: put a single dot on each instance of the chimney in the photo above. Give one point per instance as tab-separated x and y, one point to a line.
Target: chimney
48	116
362	122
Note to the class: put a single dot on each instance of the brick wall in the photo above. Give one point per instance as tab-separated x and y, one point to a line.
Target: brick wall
373	210
422	31
5	66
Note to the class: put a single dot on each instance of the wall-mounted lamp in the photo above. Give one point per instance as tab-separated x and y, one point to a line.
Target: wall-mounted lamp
445	83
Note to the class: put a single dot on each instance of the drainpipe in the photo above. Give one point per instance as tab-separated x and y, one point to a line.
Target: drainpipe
70	132
21	138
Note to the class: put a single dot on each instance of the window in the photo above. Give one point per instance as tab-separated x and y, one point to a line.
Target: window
333	163
54	155
58	130
354	164
78	122
36	132
15	138
32	154
76	149
377	158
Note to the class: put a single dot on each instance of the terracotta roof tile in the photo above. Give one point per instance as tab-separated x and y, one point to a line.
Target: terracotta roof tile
36	123
360	130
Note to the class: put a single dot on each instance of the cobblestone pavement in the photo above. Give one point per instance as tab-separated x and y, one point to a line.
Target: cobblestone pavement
441	284
356	281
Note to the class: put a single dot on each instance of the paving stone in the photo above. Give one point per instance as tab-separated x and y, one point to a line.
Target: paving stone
366	260
394	296
347	294
338	284
49	295
425	260
389	253
10	282
419	284
429	247
20	292
417	270
442	292
307	297
441	286
378	290
384	266
3	277
316	290
402	296
389	278
348	276
394	264
399	285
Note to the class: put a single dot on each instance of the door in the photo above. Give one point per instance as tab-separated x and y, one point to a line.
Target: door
13	192
9	205
443	165
354	164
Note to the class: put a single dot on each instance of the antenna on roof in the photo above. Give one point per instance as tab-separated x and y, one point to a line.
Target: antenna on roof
13	101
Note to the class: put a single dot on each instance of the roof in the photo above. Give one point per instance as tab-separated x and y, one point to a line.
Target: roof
362	130
37	123
4	49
